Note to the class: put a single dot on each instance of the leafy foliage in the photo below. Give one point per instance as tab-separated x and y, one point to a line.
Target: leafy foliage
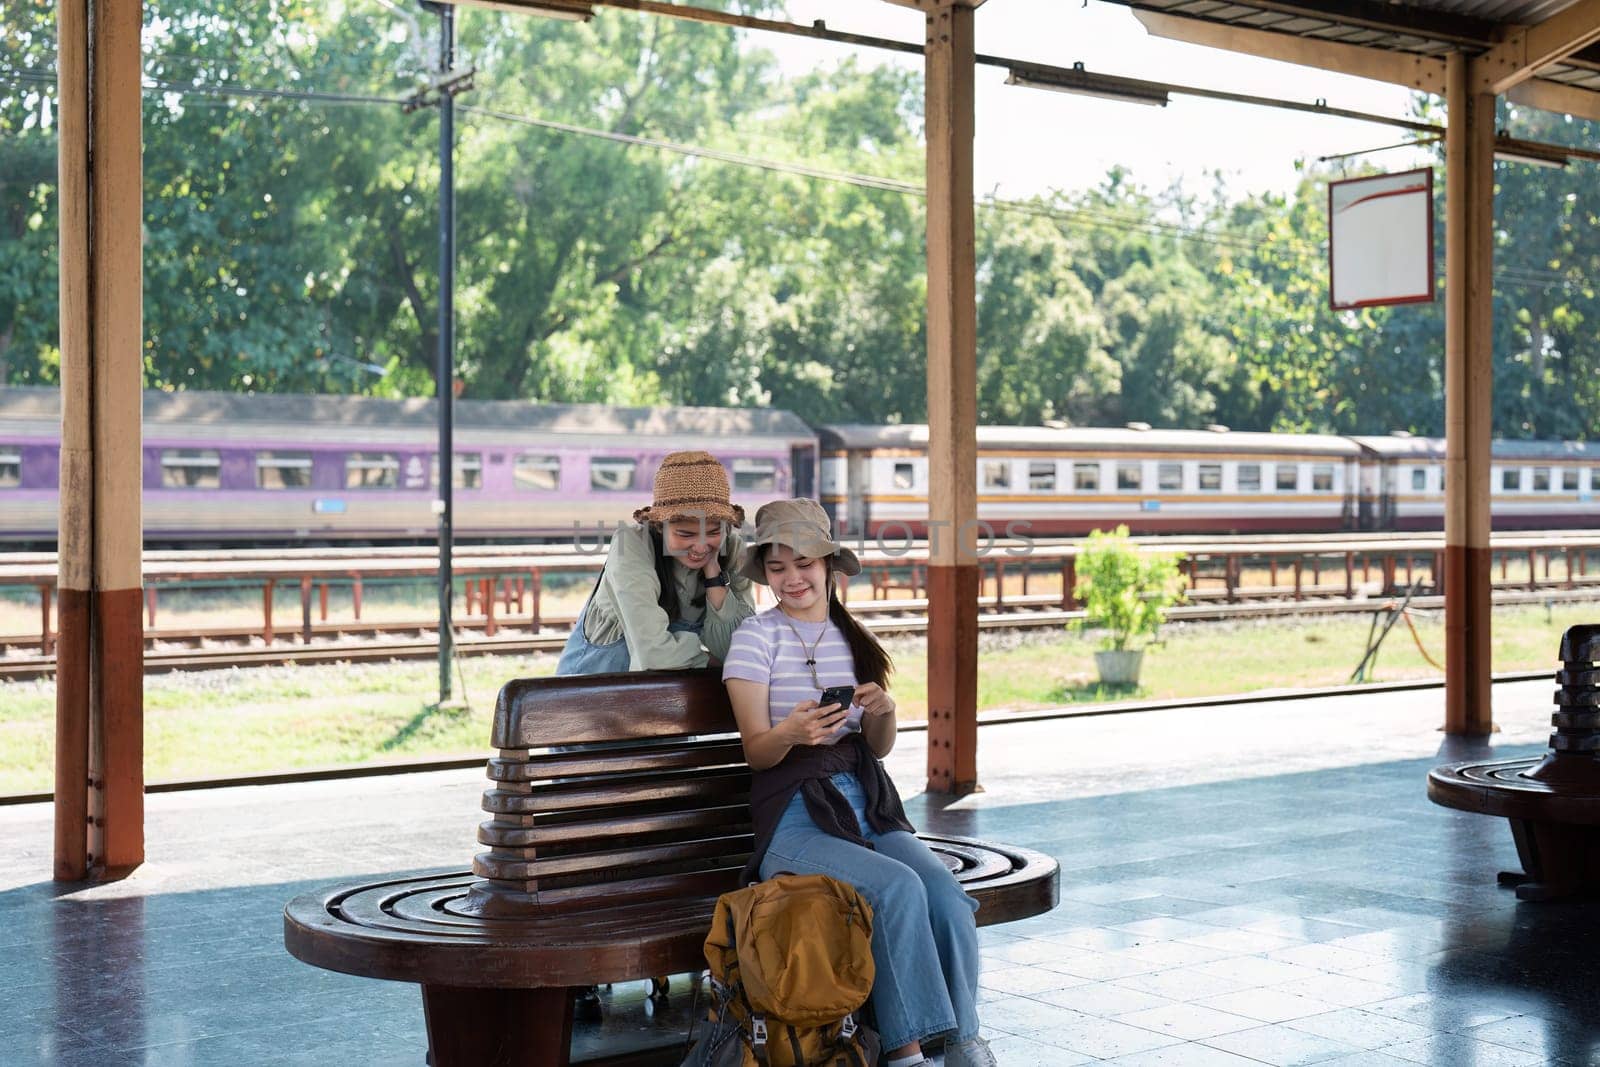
617	241
1123	589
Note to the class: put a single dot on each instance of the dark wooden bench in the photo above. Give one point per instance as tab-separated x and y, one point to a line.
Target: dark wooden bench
618	812
1552	802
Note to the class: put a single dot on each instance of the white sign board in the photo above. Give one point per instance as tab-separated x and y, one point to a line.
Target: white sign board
1380	239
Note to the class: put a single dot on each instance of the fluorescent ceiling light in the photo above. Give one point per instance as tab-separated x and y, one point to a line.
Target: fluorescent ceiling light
551	9
1532	153
1083	83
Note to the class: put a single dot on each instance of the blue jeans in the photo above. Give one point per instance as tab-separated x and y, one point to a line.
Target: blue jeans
582	656
924	939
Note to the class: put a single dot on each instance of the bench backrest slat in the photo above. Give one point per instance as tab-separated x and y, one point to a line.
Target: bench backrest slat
543	766
602	708
712	785
624	787
539	835
623	859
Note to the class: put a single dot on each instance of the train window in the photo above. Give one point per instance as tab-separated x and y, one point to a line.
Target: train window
1130	476
755	475
1541	479
468	472
1169	476
1287	477
372	470
1511	479
535	471
997	474
1419	479
1210	477
283	470
1086	477
904	476
1569	479
1322	478
191	468
1041	475
1249	477
10	468
611	474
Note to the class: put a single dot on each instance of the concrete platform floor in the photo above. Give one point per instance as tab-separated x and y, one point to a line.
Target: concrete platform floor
1241	885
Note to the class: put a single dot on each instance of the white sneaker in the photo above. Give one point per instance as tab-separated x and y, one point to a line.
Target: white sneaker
974	1053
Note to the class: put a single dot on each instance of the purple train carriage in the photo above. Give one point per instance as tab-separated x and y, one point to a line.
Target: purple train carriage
231	469
222	468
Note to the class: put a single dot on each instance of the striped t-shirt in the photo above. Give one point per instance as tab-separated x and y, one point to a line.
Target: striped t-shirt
766	649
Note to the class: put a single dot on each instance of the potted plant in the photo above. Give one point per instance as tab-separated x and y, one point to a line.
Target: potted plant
1126	593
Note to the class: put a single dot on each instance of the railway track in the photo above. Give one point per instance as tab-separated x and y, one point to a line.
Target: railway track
226	648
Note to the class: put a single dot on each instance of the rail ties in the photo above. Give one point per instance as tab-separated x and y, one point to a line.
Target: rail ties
506	590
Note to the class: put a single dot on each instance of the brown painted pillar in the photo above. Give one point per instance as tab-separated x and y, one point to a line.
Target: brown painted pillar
953	575
99	815
1469	377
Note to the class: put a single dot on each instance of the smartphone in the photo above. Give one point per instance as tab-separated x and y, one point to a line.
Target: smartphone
842	695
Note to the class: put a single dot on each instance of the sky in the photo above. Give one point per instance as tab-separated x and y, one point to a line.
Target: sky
1031	141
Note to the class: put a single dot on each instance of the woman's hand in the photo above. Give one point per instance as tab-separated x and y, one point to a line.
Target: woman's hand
873	700
713	567
810	723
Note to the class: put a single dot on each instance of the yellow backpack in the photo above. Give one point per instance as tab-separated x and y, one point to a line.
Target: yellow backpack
791	964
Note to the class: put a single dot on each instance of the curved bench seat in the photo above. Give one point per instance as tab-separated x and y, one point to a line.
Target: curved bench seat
1552	801
418	930
618	811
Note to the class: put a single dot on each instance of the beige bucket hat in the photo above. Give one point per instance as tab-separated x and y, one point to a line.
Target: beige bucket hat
803	526
691	485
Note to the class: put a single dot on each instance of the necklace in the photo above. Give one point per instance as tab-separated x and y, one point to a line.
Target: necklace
811	650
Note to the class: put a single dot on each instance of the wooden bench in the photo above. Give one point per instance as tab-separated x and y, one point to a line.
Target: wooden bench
618	812
1552	802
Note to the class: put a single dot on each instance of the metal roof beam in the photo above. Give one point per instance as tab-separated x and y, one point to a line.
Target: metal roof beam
1400	68
1528	50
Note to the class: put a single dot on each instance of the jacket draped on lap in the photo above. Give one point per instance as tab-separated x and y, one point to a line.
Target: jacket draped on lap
807	769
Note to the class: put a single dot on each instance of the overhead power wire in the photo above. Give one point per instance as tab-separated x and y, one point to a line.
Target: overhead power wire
1036	209
1077	216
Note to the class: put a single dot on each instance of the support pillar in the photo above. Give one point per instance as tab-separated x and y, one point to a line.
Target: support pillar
953	572
99	787
1469	379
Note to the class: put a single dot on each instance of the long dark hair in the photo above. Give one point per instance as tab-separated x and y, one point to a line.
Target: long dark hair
668	597
870	659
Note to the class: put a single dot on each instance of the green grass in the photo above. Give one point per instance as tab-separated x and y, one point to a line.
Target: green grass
217	723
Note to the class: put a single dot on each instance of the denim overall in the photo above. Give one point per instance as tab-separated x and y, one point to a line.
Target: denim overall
582	656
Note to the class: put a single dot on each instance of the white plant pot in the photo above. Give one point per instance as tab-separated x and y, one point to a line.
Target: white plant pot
1120	666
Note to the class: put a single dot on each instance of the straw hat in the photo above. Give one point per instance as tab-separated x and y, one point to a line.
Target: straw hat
803	526
691	485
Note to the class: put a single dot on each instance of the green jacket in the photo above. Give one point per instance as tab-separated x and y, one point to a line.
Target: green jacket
625	605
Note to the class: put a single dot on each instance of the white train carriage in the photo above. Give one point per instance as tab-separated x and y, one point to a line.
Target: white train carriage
1532	484
874	480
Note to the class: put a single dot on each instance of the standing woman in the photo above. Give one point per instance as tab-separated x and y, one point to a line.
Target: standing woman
822	802
667	587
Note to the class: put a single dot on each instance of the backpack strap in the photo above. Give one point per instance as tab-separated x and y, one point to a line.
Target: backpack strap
758	1039
845	1041
730	960
794	1044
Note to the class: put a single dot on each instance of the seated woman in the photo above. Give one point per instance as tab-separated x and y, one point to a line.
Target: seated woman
666	589
821	800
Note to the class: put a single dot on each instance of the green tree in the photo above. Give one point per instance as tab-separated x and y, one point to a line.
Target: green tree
28	266
1041	339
